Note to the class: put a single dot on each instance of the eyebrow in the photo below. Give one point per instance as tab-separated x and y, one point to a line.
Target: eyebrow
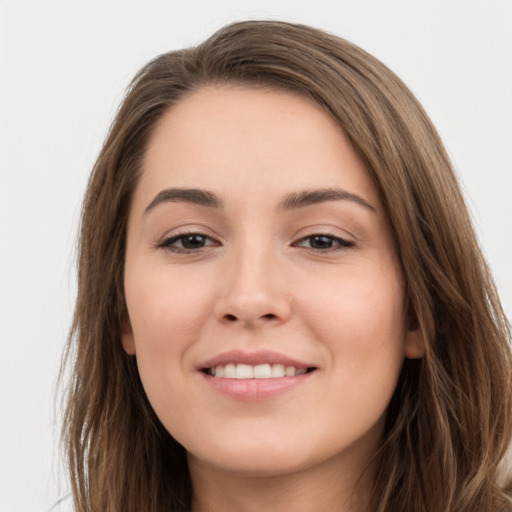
291	201
311	197
185	195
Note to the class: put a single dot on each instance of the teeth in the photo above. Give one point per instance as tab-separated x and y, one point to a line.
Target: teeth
260	371
278	370
230	371
244	371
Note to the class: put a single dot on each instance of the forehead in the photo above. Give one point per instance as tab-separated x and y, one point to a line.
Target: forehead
233	137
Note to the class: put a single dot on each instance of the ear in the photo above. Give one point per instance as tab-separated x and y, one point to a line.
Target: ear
414	346
127	339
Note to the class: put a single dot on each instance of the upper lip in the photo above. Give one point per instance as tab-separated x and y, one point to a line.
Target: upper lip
253	358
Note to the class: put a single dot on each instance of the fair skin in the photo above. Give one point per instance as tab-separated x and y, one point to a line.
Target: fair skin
256	270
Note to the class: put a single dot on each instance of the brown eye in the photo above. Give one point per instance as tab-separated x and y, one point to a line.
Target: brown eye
187	242
193	241
324	242
321	242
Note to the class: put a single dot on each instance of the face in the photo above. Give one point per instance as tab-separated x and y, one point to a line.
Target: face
265	301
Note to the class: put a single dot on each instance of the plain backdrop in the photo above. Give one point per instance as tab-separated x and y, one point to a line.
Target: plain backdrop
64	66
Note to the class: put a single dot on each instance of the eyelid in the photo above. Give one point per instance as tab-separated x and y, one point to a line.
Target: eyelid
341	242
184	229
168	240
328	229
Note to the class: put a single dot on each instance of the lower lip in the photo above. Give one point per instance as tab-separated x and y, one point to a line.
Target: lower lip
255	389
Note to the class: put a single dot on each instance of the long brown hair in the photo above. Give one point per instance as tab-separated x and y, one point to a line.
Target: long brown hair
450	419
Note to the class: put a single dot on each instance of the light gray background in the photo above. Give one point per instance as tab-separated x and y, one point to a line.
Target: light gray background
63	69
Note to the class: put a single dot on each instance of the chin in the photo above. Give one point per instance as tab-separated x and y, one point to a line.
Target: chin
259	457
254	463
261	452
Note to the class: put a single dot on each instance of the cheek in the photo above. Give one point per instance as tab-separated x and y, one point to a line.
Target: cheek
360	317
166	311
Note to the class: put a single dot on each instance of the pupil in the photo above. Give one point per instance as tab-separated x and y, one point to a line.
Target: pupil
192	241
321	242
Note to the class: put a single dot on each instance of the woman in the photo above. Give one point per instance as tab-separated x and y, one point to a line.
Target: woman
282	304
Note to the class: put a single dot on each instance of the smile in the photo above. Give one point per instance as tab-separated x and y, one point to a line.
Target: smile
254	376
259	371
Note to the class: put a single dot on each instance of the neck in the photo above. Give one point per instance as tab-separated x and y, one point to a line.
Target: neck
328	487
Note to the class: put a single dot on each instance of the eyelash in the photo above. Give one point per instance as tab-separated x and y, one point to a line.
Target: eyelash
341	243
167	244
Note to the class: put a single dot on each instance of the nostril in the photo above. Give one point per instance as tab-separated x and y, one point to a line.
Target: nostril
233	318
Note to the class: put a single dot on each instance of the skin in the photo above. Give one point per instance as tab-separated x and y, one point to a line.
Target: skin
258	281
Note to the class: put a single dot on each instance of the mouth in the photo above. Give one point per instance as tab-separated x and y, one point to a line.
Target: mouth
261	364
255	376
244	371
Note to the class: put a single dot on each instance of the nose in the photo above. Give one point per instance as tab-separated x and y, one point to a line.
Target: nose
254	291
